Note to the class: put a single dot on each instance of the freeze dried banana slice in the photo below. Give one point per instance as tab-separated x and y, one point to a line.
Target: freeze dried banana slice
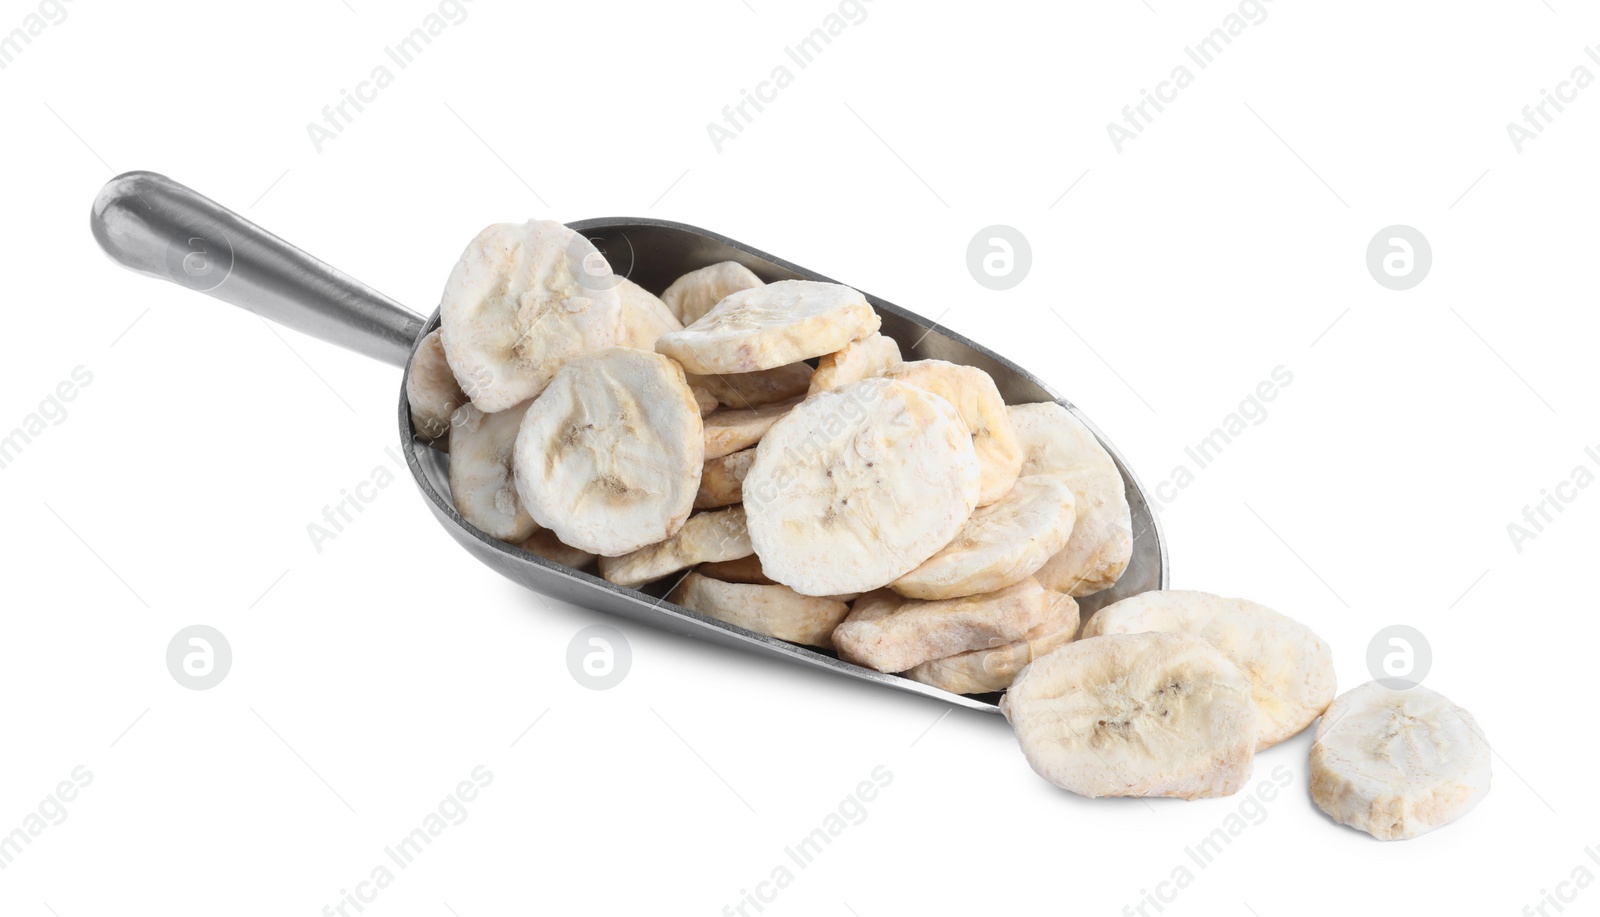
771	326
893	634
871	356
987	670
853	488
693	294
739	570
1000	545
524	299
482	480
752	390
545	544
703	399
644	317
432	390
1289	667
1055	442
1397	763
728	430
609	456
1135	715
979	403
707	537
722	479
776	611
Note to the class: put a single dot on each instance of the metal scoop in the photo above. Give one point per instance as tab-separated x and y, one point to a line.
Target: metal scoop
153	225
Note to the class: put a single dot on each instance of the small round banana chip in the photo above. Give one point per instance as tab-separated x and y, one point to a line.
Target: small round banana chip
705	538
524	299
989	670
482	480
776	611
730	430
722	479
979	403
752	390
644	317
1289	667
740	570
893	634
771	326
545	544
871	356
703	398
1397	763
609	456
432	390
1055	442
1001	544
1135	715
692	295
853	488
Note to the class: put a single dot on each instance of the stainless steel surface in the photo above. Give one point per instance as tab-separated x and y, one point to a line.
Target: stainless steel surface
151	224
652	253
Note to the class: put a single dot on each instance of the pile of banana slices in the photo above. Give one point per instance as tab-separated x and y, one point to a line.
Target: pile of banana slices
766	446
1171	693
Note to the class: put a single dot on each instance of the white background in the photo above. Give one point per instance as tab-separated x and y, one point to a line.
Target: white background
370	678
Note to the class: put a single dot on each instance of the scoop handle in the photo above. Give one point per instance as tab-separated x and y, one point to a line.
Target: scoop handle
151	224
